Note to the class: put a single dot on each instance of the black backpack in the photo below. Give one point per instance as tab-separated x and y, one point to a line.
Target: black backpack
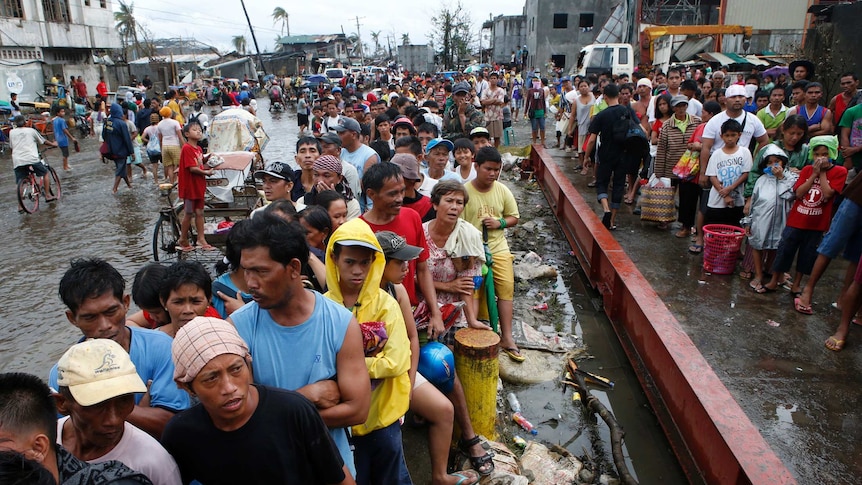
626	128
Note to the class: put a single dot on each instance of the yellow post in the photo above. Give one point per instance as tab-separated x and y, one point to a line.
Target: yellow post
478	369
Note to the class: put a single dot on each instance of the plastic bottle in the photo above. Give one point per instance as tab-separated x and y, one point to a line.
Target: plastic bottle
514	405
520	442
522	422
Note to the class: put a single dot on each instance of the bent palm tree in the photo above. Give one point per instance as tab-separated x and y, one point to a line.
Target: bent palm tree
239	43
126	24
280	15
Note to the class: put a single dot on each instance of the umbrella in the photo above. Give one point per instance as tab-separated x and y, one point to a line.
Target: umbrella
317	78
488	274
776	71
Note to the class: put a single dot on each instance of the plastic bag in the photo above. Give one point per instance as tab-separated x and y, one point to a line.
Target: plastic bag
688	166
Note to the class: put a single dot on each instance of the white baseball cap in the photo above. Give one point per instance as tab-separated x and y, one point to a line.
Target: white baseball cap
97	370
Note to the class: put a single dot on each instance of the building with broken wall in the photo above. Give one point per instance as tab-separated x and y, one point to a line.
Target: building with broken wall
40	38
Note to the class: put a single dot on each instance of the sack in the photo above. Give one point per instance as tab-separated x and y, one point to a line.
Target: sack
657	204
105	150
688	166
153	146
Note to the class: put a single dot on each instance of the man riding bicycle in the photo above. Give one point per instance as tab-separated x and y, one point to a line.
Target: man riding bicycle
24	142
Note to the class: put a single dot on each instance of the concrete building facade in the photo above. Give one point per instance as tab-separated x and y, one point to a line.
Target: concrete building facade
40	38
416	58
508	35
558	29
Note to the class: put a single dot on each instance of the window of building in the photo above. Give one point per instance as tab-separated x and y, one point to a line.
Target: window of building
11	8
103	3
559	61
586	22
87	3
561	20
56	10
532	24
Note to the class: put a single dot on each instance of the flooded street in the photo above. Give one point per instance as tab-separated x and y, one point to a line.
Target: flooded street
89	221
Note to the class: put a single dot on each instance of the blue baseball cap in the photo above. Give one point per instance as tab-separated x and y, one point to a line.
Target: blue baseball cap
439	141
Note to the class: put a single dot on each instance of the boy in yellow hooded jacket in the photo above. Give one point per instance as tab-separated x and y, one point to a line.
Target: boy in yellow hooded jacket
354	266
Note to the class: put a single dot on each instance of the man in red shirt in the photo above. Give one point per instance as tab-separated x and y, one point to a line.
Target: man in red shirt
81	90
848	97
102	87
384	185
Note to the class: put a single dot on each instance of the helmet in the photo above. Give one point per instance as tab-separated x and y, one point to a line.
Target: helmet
437	364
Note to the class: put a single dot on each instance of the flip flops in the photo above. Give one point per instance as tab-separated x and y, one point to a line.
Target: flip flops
834	344
695	248
185	249
208	247
803	309
466	477
514	353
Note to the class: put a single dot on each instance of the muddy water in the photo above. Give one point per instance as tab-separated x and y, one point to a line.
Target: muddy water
35	250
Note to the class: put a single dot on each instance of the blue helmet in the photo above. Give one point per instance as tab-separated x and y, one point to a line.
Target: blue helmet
437	364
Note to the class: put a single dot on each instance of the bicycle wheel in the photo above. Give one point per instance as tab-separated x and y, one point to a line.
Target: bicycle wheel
28	195
165	237
56	188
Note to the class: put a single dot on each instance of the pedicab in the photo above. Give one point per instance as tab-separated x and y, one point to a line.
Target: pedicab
235	139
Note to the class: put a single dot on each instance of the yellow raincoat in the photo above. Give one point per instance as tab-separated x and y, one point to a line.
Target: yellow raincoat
389	400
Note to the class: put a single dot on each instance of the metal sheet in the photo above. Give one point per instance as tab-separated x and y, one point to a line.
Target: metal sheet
717	57
756	60
714	440
691	47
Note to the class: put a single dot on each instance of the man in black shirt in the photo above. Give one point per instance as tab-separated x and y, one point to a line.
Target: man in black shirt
240	432
611	167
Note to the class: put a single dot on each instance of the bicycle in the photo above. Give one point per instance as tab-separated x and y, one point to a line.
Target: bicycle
30	189
167	230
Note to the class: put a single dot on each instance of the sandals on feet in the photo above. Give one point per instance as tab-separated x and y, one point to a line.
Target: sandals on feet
514	353
695	248
466	477
484	464
803	309
834	344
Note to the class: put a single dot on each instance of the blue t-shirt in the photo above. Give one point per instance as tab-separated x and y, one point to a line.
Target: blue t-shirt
150	351
217	302
60	135
292	357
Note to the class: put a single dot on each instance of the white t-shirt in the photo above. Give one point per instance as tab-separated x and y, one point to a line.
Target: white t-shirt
24	143
470	176
695	107
428	183
728	167
753	128
140	452
169	127
330	123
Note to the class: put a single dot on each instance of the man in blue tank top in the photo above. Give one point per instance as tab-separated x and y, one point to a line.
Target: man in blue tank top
298	339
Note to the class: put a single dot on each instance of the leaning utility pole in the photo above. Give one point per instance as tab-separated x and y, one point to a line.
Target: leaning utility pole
359	39
253	38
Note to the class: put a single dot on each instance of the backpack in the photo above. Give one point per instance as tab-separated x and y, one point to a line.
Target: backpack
628	133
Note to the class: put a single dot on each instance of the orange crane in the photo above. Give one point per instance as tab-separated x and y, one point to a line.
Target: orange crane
649	34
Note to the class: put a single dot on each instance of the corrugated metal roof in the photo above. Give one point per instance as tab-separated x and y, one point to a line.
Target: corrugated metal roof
767	14
310	39
691	47
716	57
756	60
180	58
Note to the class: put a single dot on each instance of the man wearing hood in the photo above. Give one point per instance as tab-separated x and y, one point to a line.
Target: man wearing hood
116	135
354	266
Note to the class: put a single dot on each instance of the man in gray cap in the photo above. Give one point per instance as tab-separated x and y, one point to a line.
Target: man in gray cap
462	116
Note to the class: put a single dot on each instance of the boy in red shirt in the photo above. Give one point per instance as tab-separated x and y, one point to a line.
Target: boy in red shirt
809	218
192	186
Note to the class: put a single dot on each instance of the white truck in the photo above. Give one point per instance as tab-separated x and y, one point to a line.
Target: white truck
599	58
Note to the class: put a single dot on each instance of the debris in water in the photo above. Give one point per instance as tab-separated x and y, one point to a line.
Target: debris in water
799	369
541	307
772	323
520	442
701	282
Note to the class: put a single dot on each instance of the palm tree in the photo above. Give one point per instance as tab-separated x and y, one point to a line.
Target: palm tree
239	43
280	15
375	37
126	24
405	39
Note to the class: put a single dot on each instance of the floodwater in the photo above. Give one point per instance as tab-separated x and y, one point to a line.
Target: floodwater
92	222
803	398
89	221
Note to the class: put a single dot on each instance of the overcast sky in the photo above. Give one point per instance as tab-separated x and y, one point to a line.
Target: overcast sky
215	22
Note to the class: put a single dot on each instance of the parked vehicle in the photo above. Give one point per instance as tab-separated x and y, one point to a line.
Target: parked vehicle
599	58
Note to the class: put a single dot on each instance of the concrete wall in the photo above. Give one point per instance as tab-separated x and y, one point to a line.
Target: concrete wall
89	27
544	41
767	14
416	58
508	34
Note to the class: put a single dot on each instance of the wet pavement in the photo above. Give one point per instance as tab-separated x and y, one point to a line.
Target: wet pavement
803	398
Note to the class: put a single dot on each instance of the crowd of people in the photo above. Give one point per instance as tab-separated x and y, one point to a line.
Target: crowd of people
338	301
